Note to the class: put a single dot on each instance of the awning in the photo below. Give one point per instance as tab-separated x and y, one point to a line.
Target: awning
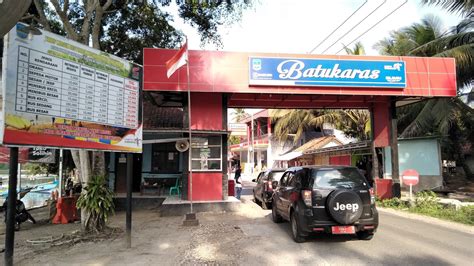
288	156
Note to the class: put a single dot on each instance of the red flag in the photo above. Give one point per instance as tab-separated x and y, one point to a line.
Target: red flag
177	61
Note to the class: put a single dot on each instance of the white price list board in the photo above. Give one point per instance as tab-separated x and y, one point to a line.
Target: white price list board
56	87
60	93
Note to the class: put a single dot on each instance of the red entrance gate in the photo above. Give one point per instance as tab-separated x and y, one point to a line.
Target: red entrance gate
220	80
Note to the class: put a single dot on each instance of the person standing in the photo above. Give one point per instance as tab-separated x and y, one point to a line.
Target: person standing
238	182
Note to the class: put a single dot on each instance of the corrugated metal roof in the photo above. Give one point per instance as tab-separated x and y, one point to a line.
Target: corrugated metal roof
288	156
317	143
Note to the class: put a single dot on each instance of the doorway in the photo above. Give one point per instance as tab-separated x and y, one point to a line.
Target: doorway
121	172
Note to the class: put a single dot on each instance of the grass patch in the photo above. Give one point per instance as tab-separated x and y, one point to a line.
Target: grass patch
426	203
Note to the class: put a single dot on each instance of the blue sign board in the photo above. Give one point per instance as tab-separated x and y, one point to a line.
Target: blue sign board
326	72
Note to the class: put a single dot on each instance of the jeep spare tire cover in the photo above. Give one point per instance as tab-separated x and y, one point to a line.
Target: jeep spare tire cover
345	206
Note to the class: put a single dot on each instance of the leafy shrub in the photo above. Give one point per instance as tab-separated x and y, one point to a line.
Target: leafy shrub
426	203
394	203
97	200
426	200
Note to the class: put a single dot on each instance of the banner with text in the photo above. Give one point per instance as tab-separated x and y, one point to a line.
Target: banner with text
60	93
237	129
326	72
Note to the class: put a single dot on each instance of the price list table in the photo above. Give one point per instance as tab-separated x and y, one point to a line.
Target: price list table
48	85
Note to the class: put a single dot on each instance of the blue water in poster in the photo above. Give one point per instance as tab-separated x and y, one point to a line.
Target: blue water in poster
326	72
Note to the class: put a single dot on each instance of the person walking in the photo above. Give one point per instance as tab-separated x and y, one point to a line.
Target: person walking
238	182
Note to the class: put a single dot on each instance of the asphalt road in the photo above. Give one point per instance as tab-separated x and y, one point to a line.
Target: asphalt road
398	241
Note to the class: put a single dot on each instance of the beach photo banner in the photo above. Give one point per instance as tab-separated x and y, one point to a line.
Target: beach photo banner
60	93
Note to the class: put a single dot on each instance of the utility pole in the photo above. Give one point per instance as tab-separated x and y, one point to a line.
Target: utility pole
251	145
61	183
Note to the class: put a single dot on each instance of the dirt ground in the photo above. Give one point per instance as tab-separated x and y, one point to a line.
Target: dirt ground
155	240
245	237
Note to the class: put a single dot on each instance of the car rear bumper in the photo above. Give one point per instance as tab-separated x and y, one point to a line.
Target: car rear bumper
310	224
268	197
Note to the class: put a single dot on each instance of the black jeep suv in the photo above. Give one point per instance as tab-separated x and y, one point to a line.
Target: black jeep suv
263	190
325	199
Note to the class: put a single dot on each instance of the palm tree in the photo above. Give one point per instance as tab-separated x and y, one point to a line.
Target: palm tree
426	39
405	40
463	7
354	123
433	117
240	114
440	116
357	50
293	123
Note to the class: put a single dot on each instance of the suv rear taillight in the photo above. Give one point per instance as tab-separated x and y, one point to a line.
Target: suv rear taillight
306	195
372	196
268	186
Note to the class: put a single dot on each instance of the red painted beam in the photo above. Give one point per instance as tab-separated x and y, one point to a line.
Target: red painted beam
227	72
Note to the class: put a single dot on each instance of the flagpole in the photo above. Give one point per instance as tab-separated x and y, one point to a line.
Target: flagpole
189	128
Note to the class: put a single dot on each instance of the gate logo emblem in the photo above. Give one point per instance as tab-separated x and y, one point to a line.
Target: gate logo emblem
256	64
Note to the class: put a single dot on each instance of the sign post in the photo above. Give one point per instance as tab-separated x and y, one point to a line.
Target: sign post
128	218
410	178
56	92
11	207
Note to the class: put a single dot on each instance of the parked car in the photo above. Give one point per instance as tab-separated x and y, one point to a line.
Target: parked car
325	199
263	191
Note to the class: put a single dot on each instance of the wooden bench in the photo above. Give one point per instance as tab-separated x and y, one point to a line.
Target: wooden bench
155	184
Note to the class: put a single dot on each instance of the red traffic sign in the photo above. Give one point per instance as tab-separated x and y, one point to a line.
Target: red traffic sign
410	177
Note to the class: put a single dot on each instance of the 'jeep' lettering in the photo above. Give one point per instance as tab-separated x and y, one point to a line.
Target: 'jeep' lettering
354	207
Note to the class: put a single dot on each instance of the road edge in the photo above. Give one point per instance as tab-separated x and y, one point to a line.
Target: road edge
432	220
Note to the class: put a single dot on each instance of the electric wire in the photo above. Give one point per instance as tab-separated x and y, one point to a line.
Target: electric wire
330	34
378	22
343	35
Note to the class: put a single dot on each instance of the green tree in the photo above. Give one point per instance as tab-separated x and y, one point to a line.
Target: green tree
240	114
141	26
440	116
354	123
404	41
463	7
293	123
233	140
358	49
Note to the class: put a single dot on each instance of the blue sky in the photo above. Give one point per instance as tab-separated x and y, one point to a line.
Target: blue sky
297	26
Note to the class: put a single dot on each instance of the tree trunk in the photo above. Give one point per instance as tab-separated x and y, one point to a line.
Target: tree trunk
77	162
85	175
93	13
98	163
43	20
11	11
